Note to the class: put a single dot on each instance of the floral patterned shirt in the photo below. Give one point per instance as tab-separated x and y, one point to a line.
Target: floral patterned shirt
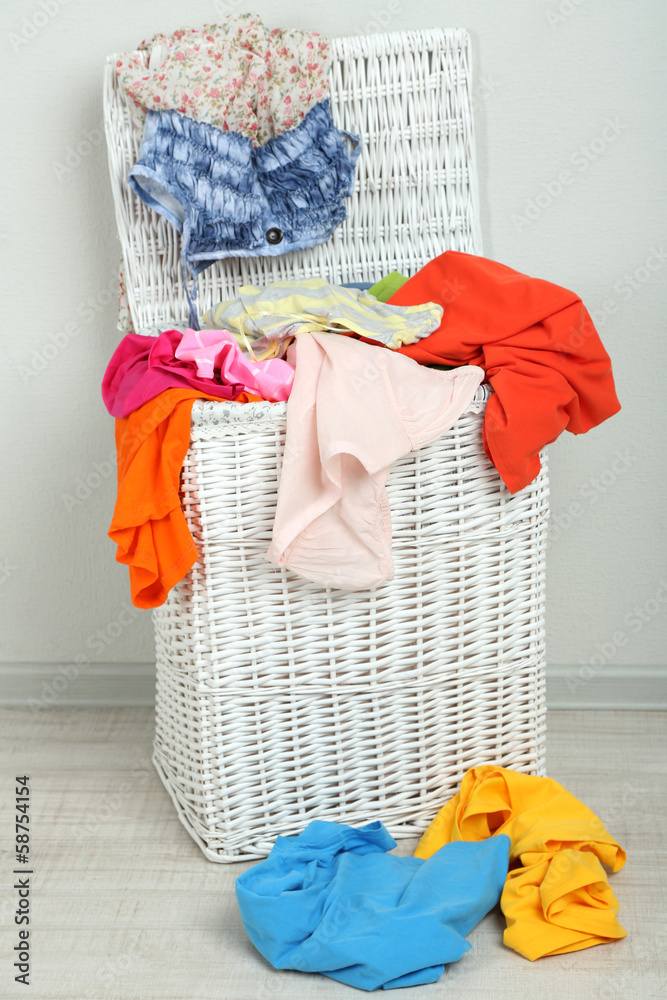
238	76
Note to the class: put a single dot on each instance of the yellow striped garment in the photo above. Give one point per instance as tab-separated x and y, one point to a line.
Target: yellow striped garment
264	316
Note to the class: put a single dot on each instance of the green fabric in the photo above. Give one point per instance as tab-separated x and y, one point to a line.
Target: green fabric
385	287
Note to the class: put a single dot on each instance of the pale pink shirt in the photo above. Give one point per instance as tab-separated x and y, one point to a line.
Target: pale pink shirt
354	409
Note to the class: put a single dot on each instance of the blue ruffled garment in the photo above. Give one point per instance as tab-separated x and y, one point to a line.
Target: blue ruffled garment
333	901
230	199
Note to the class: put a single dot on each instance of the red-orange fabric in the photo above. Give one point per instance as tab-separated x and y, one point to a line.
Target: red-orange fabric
148	524
537	344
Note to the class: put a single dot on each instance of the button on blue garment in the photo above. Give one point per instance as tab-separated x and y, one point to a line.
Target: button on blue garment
333	901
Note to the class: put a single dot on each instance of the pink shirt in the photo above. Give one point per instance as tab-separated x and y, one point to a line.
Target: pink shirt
209	360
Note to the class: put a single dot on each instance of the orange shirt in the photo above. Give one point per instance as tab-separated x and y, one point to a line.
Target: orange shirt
148	522
537	344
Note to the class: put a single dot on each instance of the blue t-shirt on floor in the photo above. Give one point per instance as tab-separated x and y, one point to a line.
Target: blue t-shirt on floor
333	901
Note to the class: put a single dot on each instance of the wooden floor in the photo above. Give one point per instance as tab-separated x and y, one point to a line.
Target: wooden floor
125	906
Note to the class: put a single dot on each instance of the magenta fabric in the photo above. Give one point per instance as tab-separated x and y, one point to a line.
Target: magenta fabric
143	367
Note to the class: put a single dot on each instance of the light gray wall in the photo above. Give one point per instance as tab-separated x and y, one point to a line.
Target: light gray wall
569	89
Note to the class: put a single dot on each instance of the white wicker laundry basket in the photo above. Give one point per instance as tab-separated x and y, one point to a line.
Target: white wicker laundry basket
277	701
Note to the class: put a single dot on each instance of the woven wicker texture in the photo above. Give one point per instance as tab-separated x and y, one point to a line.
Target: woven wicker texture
277	701
408	96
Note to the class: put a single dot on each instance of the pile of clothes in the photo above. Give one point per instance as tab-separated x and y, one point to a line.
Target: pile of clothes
239	152
332	900
368	375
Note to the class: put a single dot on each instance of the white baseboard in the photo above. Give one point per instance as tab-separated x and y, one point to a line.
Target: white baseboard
613	686
40	685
